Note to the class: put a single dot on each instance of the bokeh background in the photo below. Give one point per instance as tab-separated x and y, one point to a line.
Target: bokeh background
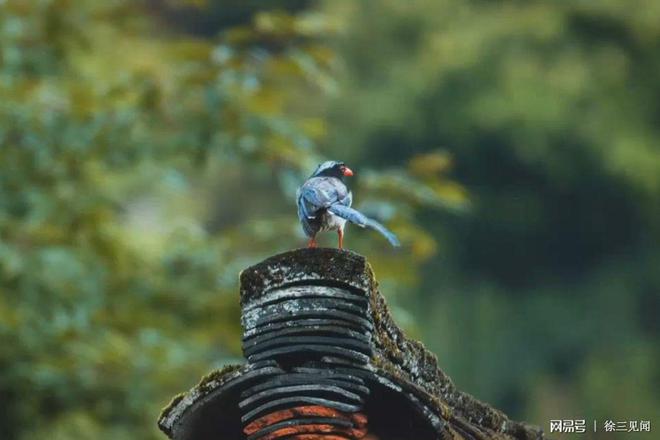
150	150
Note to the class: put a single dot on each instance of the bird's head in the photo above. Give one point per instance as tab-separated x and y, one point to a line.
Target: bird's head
332	168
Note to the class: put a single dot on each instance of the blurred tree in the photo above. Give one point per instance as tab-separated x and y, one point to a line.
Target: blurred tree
550	111
207	17
137	172
145	160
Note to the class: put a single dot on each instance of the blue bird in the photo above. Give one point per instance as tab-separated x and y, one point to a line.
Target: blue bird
324	204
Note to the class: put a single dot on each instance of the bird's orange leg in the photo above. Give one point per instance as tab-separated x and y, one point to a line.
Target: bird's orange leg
340	232
312	242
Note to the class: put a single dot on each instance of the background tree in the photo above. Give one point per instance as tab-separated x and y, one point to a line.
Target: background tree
141	170
542	298
150	150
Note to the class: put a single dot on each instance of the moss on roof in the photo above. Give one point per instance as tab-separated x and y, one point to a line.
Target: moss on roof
398	358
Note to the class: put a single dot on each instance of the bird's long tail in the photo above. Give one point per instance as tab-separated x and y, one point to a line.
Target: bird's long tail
362	220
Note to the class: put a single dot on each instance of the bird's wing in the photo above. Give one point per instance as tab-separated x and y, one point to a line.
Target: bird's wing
346	200
355	216
302	212
319	193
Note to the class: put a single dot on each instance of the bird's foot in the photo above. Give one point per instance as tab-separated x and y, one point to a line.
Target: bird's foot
311	243
340	233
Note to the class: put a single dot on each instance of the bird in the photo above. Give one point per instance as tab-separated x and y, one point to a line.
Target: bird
324	204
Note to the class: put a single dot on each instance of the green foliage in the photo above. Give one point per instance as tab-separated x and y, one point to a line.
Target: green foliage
139	173
149	151
542	297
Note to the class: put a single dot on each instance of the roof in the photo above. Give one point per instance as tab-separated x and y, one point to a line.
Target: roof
398	369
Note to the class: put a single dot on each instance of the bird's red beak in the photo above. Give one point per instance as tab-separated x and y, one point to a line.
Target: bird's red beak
347	171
